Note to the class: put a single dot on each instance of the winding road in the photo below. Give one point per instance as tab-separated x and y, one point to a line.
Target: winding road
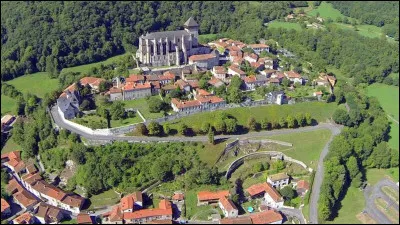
335	129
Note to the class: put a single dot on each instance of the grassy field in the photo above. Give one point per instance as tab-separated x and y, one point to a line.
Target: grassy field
142	106
326	11
210	153
307	146
86	68
104	199
7	105
89	119
287	25
36	83
73	221
375	175
10	146
318	110
388	97
352	204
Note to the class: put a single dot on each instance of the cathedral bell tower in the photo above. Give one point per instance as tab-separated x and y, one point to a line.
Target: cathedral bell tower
193	28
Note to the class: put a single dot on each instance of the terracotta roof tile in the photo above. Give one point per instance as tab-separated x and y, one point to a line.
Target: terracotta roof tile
273	193
185	104
73	200
178	196
292	74
25	218
134	78
94	81
207	195
266	217
84	219
25	198
136	86
238	220
302	184
227	204
4	205
201	57
257	189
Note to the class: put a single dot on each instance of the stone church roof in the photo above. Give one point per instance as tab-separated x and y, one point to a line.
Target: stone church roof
191	23
169	34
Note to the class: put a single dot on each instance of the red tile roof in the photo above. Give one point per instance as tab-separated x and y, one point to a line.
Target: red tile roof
194	83
4	205
292	74
156	84
258	46
209	99
256	65
178	196
25	218
25	198
160	222
227	204
128	201
273	193
185	104
115	90
302	184
266	217
136	86
219	69
214	81
134	78
207	195
237	70
238	220
168	75
94	81
31	178
181	83
253	56
115	214
55	193
13	186
257	189
73	200
203	92
318	92
249	79
201	57
84	219
11	155
164	204
274	80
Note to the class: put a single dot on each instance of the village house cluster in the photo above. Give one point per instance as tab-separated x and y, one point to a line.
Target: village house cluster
129	211
181	47
43	202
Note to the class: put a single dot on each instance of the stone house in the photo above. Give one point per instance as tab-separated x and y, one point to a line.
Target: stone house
278	180
228	207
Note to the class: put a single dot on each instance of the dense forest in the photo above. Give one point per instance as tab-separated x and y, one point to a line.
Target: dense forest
366	60
379	13
362	144
48	36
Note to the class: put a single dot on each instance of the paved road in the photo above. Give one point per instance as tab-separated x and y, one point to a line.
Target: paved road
372	193
319	176
89	136
293	213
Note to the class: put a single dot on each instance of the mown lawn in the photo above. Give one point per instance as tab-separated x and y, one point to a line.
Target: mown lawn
210	153
307	146
375	175
8	105
104	199
319	111
86	68
326	11
388	97
352	204
96	122
10	146
36	83
143	107
287	25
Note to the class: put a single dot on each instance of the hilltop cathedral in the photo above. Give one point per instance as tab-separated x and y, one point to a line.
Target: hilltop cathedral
169	48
